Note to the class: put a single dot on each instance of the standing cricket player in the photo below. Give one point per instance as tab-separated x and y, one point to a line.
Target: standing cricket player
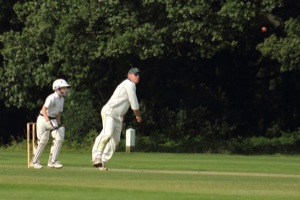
112	114
48	122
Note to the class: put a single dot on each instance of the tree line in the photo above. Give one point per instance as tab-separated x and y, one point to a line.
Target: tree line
211	78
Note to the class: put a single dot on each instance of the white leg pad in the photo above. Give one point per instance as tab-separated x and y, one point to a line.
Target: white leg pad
55	149
58	138
41	146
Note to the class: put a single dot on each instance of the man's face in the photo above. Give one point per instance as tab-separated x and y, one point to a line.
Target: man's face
135	78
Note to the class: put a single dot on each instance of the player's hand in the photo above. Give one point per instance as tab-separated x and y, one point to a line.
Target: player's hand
49	125
138	119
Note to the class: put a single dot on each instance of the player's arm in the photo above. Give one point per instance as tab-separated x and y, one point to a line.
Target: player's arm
131	91
137	115
44	112
48	122
58	118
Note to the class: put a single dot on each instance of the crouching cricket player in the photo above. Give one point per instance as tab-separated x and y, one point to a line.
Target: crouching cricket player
112	114
48	122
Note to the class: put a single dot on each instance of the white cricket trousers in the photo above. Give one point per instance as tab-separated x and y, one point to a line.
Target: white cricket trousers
107	141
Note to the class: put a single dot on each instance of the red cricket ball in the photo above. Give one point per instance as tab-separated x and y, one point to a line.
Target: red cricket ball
263	29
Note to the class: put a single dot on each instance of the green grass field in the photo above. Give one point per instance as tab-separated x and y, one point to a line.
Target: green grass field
152	176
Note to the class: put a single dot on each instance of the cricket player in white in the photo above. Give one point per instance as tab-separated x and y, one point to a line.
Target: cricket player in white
112	114
48	122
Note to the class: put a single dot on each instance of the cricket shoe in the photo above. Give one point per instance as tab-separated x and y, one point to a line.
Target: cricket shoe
97	162
36	165
56	165
102	167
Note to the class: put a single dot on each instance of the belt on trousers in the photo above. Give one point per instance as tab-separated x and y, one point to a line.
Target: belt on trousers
48	116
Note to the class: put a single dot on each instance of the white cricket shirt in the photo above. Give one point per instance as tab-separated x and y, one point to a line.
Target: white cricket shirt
123	97
54	104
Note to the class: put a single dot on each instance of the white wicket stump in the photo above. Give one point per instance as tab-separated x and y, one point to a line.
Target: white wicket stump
31	129
130	140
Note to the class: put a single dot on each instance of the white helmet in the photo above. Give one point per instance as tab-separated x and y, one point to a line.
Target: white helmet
59	83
